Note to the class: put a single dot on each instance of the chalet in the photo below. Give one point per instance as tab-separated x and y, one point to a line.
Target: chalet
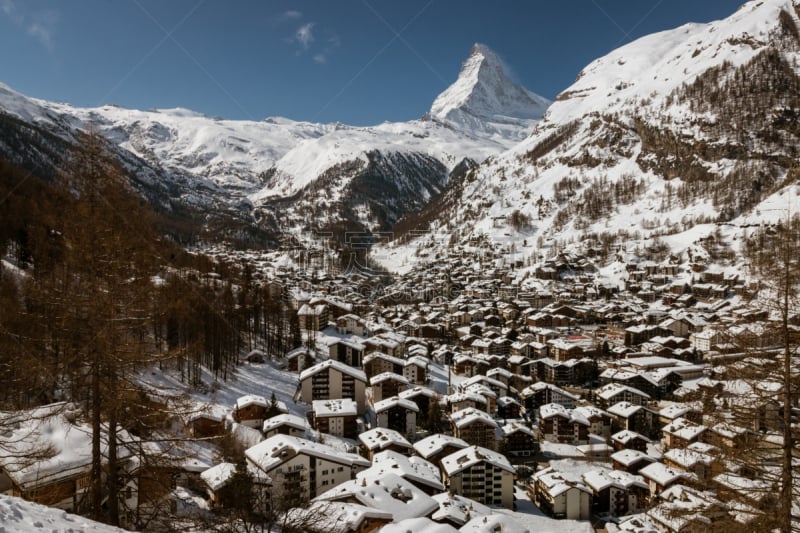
207	423
302	469
541	393
284	424
397	413
629	440
349	351
599	420
616	492
485	392
519	440
300	358
455	511
221	493
613	393
508	407
686	510
700	459
680	433
476	427
660	477
386	385
250	410
378	362
335	417
422	396
415	370
351	324
331	380
434	447
557	424
561	494
480	474
313	318
631	417
62	476
466	400
630	461
380	439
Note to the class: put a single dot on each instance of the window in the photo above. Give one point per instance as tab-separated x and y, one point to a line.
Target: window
340	469
324	472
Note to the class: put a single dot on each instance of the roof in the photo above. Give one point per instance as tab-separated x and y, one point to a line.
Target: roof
601	479
278	449
683	428
387	376
382	438
624	409
628	457
661	473
470	415
385	491
64	447
460	460
251	399
337	407
218	476
412	468
335	365
395	401
293	421
458	509
434	444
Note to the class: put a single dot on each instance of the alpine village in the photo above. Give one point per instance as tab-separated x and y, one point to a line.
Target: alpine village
510	315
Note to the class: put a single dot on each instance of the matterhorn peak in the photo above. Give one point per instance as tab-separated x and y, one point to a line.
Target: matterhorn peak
485	98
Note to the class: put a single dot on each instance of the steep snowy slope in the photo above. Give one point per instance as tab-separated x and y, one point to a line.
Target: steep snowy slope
659	142
485	100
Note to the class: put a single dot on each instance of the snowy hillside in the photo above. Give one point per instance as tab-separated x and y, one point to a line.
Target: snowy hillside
656	145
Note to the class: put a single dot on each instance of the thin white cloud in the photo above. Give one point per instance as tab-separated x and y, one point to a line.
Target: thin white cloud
40	25
8	7
320	58
305	35
291	15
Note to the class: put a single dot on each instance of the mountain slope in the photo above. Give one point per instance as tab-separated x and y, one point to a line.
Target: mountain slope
663	140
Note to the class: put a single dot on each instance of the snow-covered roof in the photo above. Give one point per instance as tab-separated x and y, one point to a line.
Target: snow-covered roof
471	415
601	479
628	457
21	516
337	407
434	444
385	491
218	476
418	525
335	365
395	401
624	409
458	509
382	438
683	428
388	376
251	399
42	446
277	449
412	468
661	473
462	459
284	419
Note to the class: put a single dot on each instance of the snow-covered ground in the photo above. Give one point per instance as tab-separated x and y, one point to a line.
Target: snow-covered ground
20	516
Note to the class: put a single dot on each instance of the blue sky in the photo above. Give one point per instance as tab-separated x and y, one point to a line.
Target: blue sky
354	61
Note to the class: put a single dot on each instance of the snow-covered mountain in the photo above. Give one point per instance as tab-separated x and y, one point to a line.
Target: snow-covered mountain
485	100
275	168
662	141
